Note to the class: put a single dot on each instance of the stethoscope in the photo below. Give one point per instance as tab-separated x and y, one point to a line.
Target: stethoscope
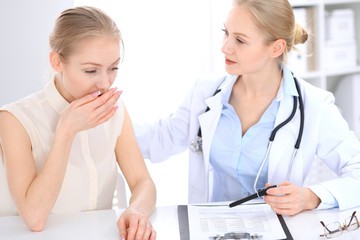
196	145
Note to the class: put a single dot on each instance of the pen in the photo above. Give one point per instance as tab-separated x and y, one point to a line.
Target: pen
259	193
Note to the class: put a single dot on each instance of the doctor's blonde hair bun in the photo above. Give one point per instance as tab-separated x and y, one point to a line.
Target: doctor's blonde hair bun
276	19
78	23
301	35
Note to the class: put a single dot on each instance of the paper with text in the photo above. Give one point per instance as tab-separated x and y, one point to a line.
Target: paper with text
211	220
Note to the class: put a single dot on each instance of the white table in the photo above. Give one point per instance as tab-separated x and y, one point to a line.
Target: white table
102	225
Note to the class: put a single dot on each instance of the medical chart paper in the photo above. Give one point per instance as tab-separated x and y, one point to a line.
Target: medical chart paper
211	220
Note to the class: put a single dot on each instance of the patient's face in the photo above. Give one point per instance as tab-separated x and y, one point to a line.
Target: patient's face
91	67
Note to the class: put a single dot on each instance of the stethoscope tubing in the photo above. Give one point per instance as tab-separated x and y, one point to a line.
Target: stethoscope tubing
298	140
262	165
196	145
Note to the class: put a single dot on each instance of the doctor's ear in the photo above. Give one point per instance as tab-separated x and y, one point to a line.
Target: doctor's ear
55	61
277	48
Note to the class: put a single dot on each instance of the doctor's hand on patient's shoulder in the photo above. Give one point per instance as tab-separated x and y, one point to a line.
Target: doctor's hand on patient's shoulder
88	112
290	199
133	225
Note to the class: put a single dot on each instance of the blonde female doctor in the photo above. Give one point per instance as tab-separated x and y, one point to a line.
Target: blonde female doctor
258	94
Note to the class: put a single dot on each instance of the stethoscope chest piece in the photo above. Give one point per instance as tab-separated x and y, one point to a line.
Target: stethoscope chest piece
196	145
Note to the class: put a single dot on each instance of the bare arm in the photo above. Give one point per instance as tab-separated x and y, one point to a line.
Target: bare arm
35	193
142	201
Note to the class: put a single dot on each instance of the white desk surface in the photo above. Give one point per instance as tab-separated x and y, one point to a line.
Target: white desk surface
102	225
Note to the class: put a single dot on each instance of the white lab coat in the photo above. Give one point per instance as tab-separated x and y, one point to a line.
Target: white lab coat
326	134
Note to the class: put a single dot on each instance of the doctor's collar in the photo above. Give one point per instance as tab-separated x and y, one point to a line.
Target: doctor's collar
228	83
287	84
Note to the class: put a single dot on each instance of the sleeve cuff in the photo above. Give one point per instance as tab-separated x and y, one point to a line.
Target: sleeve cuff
327	199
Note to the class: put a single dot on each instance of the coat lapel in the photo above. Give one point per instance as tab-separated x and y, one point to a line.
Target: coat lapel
209	120
208	123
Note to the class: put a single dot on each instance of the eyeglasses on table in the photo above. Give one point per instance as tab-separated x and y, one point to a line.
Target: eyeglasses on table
335	229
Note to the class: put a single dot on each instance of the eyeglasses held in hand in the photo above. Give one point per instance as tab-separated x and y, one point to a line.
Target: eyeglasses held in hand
335	229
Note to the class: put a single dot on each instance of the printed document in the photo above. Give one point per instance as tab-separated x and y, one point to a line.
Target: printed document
211	220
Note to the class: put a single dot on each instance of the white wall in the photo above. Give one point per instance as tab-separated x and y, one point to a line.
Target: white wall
25	26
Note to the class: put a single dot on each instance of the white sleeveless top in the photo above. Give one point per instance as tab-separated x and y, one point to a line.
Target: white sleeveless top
91	173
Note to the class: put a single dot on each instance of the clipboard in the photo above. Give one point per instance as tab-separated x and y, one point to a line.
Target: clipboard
183	218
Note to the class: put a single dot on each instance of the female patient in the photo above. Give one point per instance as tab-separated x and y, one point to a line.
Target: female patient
60	146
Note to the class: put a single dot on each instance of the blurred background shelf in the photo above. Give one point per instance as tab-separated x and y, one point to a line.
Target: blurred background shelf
333	61
331	55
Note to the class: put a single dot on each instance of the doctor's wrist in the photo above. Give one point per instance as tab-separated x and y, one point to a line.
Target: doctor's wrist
312	200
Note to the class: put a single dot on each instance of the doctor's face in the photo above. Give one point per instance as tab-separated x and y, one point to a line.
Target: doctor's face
91	67
244	44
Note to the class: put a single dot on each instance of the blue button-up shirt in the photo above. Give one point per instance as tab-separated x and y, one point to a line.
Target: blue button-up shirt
235	159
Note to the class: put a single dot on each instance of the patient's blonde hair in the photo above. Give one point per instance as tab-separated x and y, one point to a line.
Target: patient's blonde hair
276	18
76	24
